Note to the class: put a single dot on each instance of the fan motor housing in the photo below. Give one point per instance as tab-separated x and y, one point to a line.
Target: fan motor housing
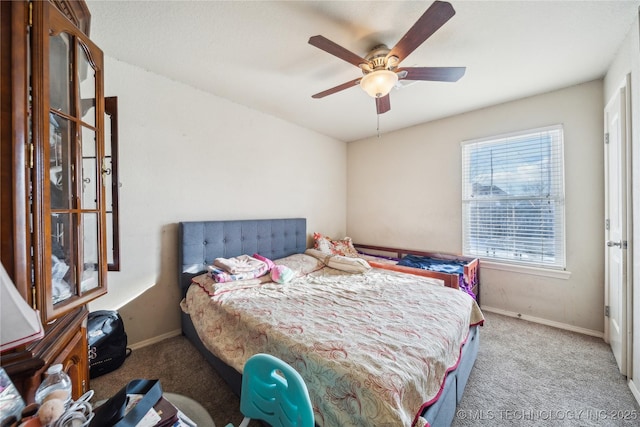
377	59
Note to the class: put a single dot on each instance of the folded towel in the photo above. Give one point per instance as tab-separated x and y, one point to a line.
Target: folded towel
213	288
222	276
269	263
239	264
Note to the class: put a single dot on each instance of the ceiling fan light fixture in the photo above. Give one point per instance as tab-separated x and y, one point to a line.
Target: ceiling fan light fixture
378	83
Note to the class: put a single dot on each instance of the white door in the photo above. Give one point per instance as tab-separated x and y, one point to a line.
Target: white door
616	228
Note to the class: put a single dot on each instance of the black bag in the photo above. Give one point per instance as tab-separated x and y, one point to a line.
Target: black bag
107	342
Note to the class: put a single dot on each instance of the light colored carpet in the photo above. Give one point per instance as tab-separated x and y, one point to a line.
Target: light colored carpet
526	374
530	374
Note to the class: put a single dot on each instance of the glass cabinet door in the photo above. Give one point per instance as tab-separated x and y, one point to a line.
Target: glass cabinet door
70	158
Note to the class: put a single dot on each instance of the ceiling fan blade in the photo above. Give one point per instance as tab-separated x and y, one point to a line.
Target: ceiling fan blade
383	104
336	50
338	88
434	17
437	74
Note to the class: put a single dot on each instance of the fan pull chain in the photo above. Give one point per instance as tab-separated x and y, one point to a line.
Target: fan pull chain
378	124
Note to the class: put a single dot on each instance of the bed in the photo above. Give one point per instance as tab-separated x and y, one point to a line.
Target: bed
457	271
380	396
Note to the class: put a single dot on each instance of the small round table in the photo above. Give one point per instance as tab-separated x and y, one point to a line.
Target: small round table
191	409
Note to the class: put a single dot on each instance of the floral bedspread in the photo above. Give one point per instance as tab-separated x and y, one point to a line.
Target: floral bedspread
373	348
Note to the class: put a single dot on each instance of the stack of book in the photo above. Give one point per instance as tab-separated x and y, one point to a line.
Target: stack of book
163	414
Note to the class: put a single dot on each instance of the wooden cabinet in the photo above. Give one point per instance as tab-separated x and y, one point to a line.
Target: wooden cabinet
68	155
64	342
53	234
73	354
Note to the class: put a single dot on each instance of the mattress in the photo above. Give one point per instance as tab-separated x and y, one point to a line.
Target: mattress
374	348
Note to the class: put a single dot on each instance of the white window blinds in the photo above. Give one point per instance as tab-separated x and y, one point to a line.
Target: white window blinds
513	198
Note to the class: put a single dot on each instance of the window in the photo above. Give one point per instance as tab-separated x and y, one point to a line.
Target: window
513	198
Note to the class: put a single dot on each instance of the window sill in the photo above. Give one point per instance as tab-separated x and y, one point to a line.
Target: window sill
534	271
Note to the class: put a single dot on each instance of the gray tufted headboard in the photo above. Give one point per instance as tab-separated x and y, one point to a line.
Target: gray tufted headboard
200	242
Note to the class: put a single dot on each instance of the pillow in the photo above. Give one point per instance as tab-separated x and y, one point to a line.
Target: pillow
282	274
342	247
301	264
321	243
348	264
319	255
339	262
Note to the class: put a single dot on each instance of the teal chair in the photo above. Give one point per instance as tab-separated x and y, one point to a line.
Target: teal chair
274	392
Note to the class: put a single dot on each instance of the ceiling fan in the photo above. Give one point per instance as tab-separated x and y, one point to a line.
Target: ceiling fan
380	66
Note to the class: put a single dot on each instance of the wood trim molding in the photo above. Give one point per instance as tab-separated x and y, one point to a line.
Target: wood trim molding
77	12
14	241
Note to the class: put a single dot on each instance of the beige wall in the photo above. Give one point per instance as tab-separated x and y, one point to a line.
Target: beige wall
404	190
188	155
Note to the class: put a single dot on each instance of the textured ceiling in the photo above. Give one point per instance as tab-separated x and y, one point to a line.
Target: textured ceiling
256	53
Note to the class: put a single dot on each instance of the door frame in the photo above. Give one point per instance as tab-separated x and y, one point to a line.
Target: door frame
625	86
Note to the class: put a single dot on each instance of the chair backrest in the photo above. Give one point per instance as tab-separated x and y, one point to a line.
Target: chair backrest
274	392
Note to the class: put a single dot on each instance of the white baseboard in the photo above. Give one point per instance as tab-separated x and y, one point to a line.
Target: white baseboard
155	339
555	324
634	390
